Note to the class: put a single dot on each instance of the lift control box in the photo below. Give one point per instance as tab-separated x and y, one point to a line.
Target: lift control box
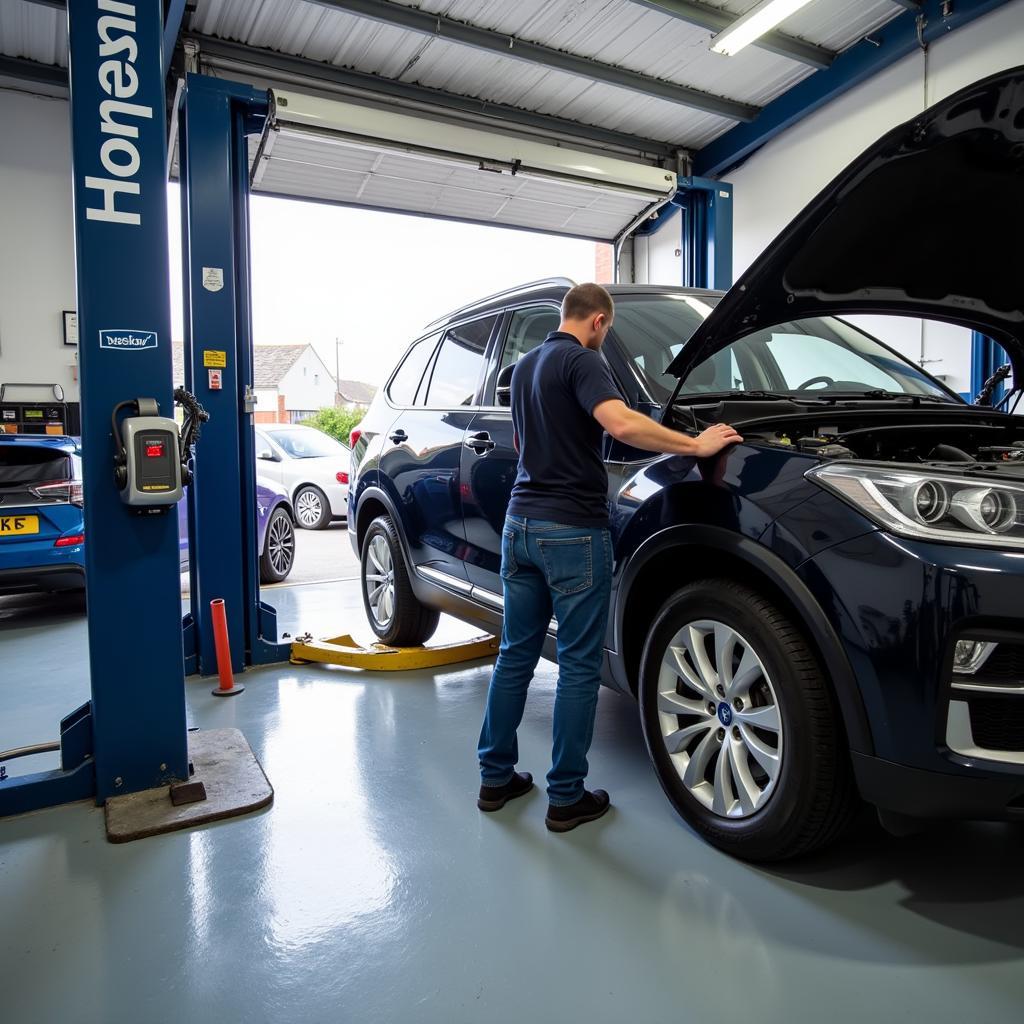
150	475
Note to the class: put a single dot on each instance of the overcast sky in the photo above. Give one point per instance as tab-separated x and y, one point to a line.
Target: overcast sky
374	280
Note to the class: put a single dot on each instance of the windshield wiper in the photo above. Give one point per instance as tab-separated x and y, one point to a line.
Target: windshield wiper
697	398
880	395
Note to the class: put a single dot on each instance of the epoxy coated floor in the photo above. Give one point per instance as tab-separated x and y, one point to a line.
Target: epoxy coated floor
374	891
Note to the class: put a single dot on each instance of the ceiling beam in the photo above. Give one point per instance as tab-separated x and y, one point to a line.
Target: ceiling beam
910	5
32	71
893	41
449	30
58	5
714	19
269	64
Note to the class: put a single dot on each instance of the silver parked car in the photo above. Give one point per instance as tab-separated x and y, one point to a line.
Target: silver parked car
311	466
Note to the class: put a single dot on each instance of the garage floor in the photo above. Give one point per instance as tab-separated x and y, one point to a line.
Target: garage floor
373	890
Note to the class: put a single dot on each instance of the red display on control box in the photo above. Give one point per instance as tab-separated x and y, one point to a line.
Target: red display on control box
155	450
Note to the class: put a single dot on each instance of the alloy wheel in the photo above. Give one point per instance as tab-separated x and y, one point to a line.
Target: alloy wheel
281	544
379	580
309	508
720	719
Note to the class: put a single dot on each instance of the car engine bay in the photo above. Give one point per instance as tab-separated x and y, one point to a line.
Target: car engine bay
923	435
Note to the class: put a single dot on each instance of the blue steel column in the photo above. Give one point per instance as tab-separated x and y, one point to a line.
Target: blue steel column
119	163
218	116
719	234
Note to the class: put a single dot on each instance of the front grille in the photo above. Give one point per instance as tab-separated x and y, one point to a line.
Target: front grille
997	724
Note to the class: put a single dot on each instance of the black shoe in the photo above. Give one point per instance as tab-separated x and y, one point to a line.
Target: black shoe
589	807
493	798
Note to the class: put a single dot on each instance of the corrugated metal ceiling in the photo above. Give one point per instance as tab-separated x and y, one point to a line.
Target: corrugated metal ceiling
619	33
615	32
34	32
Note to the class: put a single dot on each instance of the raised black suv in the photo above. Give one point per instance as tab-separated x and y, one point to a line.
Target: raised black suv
832	608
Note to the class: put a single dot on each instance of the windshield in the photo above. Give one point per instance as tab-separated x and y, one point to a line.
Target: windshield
307	443
816	357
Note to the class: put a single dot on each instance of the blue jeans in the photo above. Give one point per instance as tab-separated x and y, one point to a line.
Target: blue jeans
566	570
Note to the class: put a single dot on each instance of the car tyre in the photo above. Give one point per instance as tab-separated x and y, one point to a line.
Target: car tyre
312	509
781	792
394	612
278	555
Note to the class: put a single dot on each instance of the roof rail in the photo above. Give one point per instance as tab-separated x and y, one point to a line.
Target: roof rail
498	295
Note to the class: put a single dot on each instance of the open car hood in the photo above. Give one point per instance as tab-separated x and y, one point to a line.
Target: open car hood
929	221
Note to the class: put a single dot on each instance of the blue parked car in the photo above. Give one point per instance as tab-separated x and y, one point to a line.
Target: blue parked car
41	526
276	520
829	610
42	532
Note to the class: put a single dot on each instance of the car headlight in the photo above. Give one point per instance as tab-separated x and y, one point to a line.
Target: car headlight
930	505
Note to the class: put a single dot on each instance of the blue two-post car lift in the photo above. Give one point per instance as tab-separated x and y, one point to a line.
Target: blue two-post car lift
132	735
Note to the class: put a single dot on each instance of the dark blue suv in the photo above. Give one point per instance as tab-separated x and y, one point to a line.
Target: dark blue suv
830	609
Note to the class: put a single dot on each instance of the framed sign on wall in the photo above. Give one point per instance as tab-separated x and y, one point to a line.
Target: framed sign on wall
70	327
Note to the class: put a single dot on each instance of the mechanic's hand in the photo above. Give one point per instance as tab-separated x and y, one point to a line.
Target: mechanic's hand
714	439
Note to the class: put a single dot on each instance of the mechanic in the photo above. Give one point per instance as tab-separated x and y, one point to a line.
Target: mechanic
556	551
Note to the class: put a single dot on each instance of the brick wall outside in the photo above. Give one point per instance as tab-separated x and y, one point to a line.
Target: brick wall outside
603	263
280	416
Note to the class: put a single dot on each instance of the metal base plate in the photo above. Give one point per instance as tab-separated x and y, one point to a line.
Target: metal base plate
224	763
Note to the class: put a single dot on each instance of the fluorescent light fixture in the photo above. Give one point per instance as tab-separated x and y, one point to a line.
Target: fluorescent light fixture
758	20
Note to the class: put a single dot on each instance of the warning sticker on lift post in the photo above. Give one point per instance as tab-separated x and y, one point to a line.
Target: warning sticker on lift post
216	380
218	360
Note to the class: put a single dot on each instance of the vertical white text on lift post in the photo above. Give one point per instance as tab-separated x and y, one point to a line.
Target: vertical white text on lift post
119	153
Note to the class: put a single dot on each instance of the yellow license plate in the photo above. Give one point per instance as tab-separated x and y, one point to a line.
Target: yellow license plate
13	526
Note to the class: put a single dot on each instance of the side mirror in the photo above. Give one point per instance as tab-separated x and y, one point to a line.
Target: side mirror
266	455
503	386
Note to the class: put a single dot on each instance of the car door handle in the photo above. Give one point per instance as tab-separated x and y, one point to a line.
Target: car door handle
480	443
399	436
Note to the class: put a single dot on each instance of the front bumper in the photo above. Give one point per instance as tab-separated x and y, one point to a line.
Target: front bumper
899	607
981	795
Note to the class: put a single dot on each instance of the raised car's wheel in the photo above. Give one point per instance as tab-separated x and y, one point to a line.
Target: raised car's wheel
394	612
312	509
278	548
741	725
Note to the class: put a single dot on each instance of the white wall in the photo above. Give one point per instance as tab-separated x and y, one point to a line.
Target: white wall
782	177
308	384
659	256
37	245
266	399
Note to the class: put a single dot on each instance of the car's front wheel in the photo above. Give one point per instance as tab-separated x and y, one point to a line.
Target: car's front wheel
312	509
742	726
278	555
394	612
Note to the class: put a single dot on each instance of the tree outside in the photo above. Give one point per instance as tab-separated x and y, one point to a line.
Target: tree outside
339	423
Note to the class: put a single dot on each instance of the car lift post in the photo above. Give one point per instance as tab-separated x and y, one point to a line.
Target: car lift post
216	119
134	727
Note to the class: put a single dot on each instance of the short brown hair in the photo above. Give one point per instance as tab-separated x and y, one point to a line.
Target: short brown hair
586	300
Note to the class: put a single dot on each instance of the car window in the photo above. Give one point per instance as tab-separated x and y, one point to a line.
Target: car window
651	330
456	371
802	357
526	330
406	381
308	443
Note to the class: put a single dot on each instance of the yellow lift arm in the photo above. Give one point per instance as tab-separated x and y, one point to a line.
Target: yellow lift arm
344	650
